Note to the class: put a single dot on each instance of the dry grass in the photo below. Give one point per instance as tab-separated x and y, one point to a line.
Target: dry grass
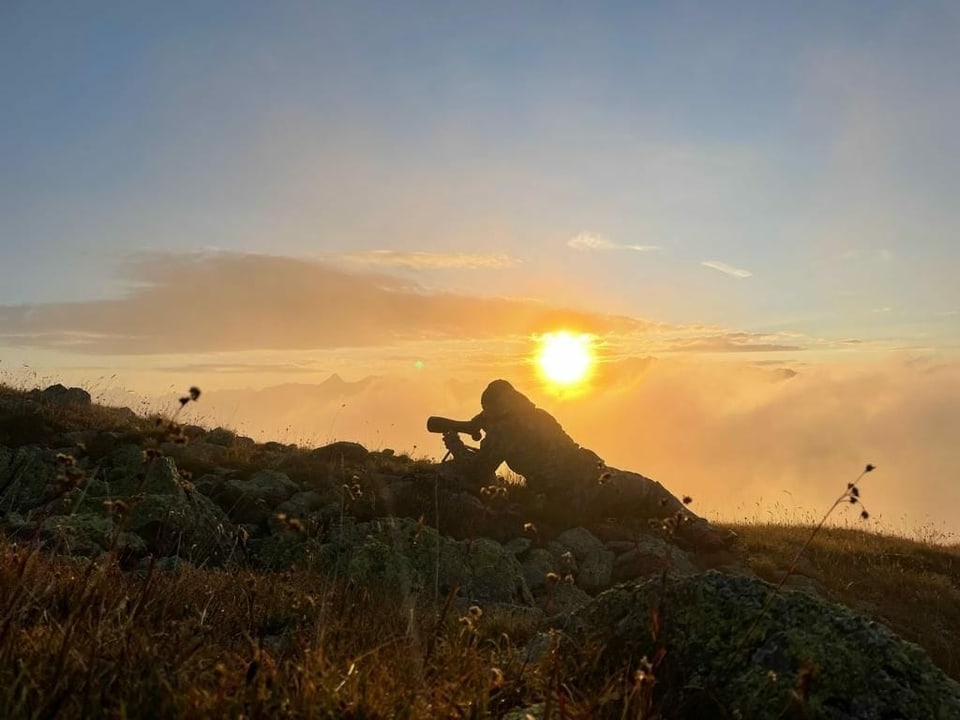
911	587
82	639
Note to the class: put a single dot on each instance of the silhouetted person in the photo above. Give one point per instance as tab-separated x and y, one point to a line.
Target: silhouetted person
574	484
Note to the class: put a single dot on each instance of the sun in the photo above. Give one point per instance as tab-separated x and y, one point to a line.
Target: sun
565	358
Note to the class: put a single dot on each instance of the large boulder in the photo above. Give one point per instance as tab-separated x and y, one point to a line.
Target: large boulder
129	472
185	524
804	658
348	453
59	395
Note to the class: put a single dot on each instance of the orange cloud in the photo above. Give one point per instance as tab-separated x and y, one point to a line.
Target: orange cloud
216	302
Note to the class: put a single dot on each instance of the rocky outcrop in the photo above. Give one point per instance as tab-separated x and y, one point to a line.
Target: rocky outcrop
59	395
400	555
806	657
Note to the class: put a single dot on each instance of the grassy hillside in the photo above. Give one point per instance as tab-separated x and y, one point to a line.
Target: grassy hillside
911	587
78	636
81	637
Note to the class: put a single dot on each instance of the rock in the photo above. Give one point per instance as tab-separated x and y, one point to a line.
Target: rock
222	437
87	535
563	597
518	546
165	511
350	453
802	583
254	500
102	444
190	526
538	563
22	423
197	457
80	535
853	667
130	473
301	504
27	477
286	551
650	555
400	555
58	395
594	563
580	541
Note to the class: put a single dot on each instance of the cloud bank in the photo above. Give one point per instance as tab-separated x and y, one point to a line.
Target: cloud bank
763	443
217	302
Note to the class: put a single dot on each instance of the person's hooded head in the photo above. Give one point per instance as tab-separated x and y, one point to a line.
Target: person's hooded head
501	398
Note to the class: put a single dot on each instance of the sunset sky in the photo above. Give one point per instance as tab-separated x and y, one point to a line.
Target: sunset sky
752	208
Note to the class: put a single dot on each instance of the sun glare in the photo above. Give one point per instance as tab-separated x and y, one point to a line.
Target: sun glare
565	358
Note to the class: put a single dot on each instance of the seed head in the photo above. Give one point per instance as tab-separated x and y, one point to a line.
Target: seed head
65	459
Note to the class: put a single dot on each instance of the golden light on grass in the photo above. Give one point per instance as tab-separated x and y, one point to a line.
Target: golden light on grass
564	358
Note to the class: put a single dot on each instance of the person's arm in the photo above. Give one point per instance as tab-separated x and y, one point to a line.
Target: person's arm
484	463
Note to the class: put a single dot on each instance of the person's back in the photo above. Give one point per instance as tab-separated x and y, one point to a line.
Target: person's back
535	446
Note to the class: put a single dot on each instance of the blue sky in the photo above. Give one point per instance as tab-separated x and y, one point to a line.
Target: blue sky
747	166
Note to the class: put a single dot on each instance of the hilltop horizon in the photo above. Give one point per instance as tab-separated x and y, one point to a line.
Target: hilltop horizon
742	444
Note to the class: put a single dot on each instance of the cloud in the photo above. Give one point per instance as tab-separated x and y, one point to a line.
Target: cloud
727	269
429	260
215	302
592	241
731	342
735	437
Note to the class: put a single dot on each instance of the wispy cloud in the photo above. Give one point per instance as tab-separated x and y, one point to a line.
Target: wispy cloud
592	241
727	269
733	342
428	260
